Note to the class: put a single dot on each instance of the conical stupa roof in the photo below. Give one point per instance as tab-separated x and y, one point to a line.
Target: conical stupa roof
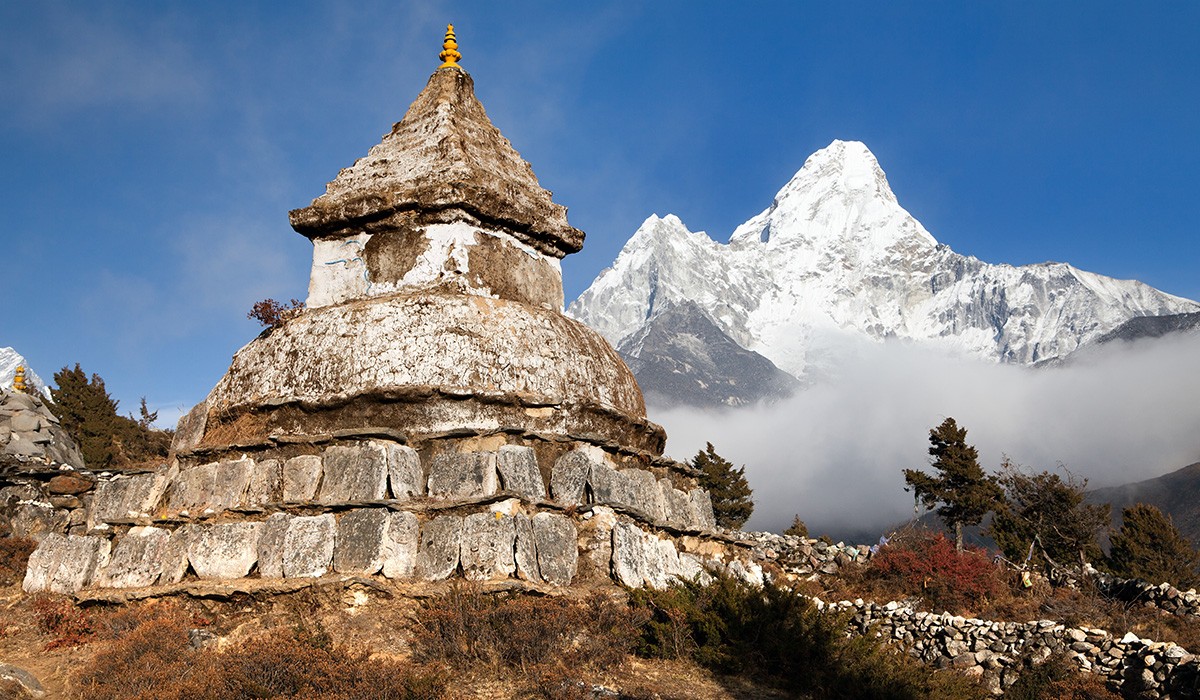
445	161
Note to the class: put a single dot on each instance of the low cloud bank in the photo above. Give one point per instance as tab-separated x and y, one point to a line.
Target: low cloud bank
834	453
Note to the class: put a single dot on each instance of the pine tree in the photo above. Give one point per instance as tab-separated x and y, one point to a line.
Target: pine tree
1148	546
1048	511
965	492
89	415
797	528
728	487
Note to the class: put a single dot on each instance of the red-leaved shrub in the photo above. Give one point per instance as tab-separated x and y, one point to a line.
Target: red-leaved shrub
929	566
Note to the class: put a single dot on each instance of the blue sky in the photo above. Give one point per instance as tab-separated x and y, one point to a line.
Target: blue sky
151	151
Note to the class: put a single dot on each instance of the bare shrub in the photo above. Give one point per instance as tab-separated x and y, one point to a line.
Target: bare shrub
14	556
271	313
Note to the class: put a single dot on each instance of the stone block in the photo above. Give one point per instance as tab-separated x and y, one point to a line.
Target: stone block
137	559
20	446
301	477
128	497
519	472
224	550
525	549
557	543
629	554
354	473
270	545
192	491
702	502
569	477
65	563
400	545
231	481
359	545
678	509
70	484
463	474
405	475
611	487
175	554
661	558
438	551
266	483
25	422
486	551
36	520
308	546
646	497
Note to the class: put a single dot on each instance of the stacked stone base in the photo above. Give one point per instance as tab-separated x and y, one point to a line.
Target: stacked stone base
478	508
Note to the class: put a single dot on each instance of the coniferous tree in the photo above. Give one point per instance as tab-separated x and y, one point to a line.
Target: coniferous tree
1049	512
965	492
728	487
797	529
89	415
1148	546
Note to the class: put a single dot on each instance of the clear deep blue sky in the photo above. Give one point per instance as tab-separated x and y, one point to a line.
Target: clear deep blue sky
151	151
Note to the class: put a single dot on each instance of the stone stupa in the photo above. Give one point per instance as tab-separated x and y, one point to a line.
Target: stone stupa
431	413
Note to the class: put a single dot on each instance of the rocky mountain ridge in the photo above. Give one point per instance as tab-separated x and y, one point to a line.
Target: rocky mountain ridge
835	260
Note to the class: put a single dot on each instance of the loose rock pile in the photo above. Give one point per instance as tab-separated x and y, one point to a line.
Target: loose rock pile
30	432
1163	596
802	556
993	649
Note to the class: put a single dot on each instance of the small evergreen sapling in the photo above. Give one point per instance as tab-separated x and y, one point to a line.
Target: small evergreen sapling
728	487
965	492
1149	546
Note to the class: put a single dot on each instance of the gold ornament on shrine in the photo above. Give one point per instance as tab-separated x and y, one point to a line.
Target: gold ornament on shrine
450	53
19	380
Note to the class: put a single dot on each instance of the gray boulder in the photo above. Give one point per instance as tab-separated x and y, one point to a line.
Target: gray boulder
525	548
308	546
175	554
270	545
519	472
192	489
405	476
486	551
301	477
569	477
64	563
400	545
463	474
224	550
354	473
137	559
266	483
702	502
438	551
230	483
557	543
359	547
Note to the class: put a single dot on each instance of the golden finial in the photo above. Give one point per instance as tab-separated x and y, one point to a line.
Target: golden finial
450	53
19	380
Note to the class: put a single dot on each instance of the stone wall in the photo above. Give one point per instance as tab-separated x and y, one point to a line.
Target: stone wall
377	506
993	649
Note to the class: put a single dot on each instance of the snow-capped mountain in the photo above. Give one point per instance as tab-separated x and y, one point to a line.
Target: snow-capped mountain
9	360
835	260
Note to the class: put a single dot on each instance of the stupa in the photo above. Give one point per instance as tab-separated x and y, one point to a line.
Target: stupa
431	413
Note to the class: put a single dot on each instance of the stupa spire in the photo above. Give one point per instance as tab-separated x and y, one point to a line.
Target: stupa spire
19	380
450	55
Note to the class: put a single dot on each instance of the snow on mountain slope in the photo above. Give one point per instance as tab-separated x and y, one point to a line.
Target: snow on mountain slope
835	260
9	359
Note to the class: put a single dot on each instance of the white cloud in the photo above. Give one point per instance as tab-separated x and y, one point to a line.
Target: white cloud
834	453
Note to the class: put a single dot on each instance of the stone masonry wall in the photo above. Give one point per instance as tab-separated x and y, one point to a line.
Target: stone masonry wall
377	506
